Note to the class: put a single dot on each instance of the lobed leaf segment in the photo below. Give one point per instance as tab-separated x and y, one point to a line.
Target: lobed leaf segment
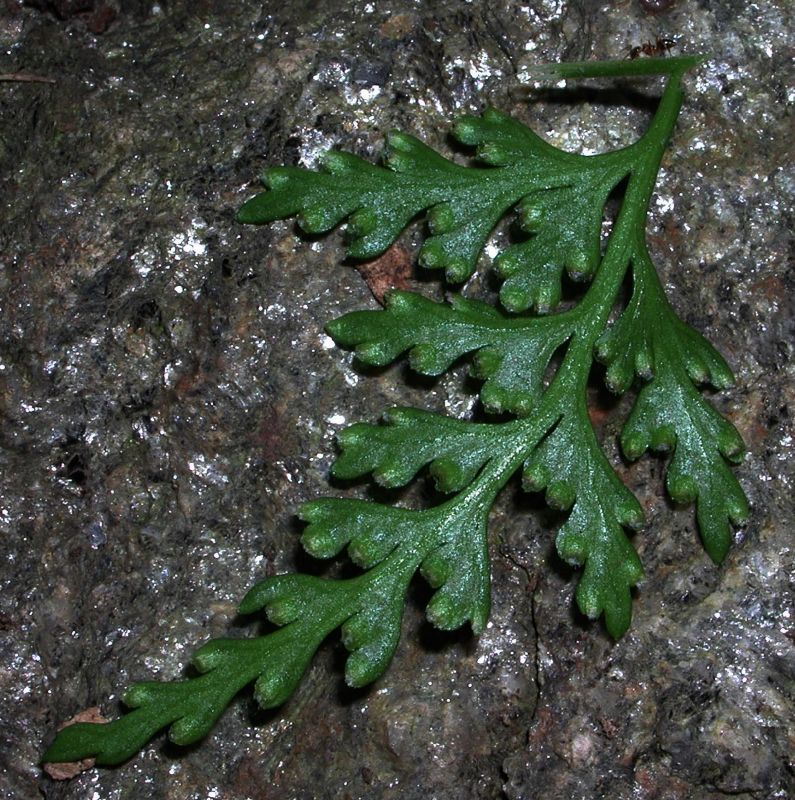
559	199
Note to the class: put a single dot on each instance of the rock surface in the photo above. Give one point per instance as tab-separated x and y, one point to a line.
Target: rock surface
168	397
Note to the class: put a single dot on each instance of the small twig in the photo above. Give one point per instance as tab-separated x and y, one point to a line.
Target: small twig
24	77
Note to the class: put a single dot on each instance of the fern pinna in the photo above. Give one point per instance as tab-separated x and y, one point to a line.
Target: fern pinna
542	428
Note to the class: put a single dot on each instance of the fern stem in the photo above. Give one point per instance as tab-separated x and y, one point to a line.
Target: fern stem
623	68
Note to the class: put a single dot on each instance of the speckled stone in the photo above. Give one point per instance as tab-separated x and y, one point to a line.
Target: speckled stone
168	397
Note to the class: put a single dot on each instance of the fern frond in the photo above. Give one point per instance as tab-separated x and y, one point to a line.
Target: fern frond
534	363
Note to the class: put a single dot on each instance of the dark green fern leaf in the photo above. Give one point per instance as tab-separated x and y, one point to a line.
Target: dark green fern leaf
534	363
510	354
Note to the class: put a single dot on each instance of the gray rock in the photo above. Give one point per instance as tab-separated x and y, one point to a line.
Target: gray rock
169	397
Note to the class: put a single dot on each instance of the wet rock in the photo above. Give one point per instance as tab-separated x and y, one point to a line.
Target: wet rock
168	397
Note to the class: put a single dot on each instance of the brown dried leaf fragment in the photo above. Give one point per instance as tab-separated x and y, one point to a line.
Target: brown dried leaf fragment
392	270
66	770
